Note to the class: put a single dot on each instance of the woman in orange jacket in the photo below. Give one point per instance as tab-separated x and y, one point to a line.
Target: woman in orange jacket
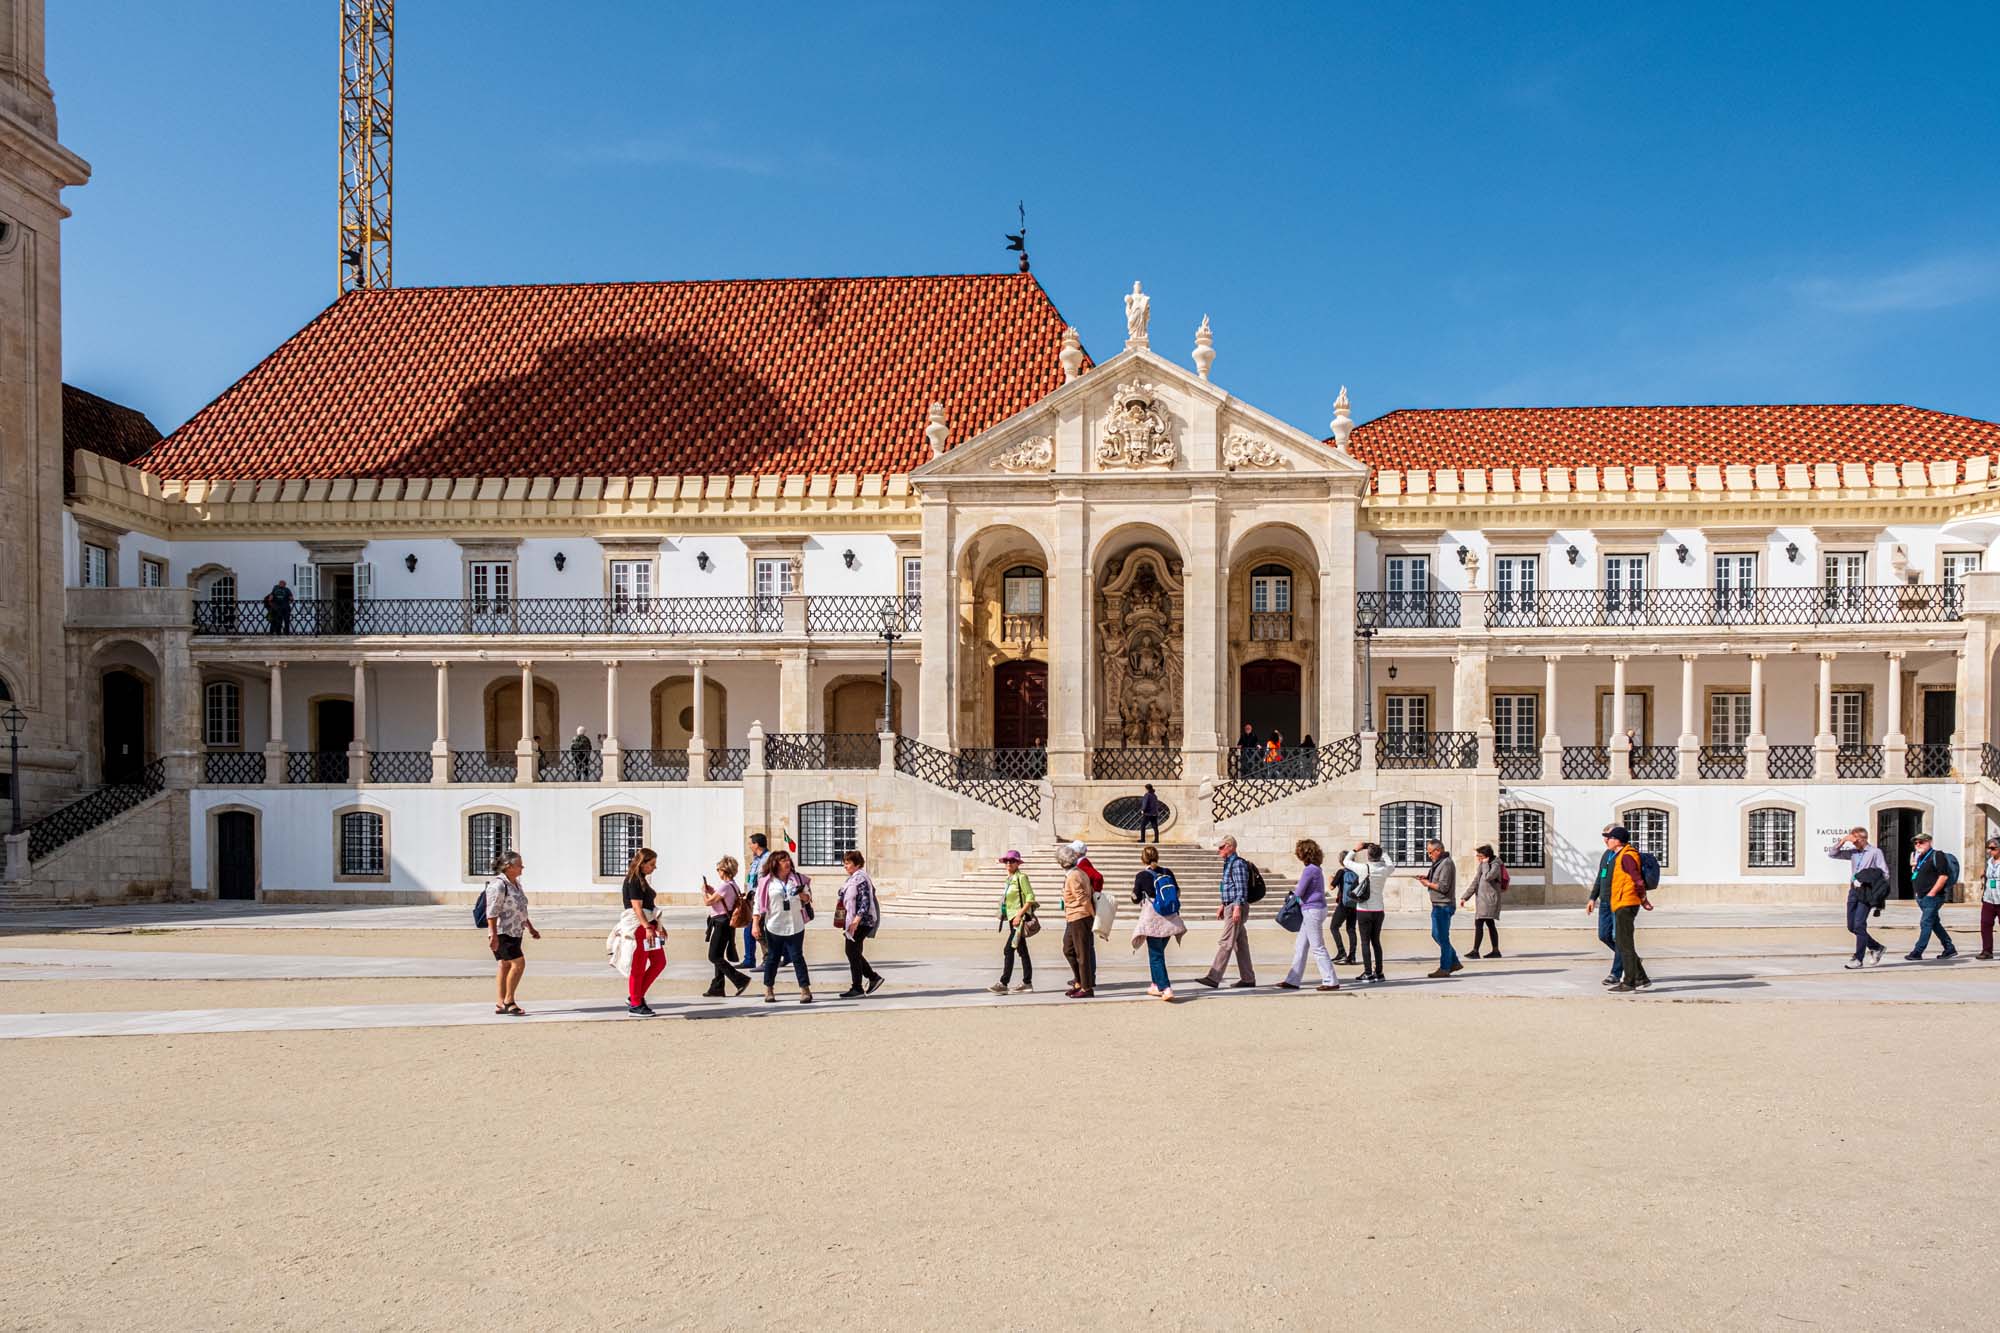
1628	899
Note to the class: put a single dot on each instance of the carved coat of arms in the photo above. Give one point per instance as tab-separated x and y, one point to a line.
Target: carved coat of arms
1136	433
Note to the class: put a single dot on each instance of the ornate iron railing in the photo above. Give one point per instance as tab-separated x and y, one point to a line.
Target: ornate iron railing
1250	761
1335	759
399	766
322	766
1029	764
1875	604
1790	763
1586	763
1017	628
1721	761
1137	763
942	768
569	766
1655	763
1409	610
815	751
483	766
1931	759
1270	626
70	822
653	765
1427	749
1521	765
862	615
327	617
1859	761
1989	761
727	765
233	768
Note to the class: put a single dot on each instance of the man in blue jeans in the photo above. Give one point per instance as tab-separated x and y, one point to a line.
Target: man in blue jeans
1930	877
1600	903
1442	881
760	847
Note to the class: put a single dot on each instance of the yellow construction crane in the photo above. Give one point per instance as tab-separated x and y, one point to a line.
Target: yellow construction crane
367	78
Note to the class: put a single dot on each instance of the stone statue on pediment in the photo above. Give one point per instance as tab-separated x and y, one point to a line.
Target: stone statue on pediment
1138	315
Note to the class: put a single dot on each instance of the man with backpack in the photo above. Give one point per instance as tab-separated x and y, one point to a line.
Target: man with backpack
1236	898
1628	899
1932	874
1867	891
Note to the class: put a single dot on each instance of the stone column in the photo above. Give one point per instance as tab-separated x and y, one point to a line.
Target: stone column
441	743
794	692
1690	743
274	748
1895	746
524	749
698	741
1069	646
357	749
180	712
1339	667
1969	737
613	752
1469	708
1621	744
1824	765
1757	756
1206	661
1552	745
937	699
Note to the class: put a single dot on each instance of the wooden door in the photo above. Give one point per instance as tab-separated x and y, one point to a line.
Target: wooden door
235	855
1021	705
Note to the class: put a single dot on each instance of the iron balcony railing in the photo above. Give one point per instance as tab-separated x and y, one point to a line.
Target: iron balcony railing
66	824
1586	763
1519	765
814	751
1576	608
399	766
569	766
1254	761
1335	759
1270	626
653	765
941	768
1427	749
1722	761
1859	761
1408	610
1655	763
316	766
649	616
863	615
1137	763
483	766
1790	763
1989	761
232	768
1022	763
727	765
1928	760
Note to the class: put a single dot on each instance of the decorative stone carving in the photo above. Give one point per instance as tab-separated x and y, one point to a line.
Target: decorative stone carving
1037	453
1136	434
1072	354
1240	450
937	432
1343	421
1140	627
1204	348
1138	315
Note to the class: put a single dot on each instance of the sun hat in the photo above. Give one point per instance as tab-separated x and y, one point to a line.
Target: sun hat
1011	855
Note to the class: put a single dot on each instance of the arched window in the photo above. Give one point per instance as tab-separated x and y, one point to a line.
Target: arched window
488	836
1270	589
363	847
1406	826
222	715
619	837
1522	840
1021	591
1650	828
826	831
1773	839
5	693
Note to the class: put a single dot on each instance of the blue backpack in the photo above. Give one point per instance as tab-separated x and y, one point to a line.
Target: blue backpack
479	910
1166	892
1649	870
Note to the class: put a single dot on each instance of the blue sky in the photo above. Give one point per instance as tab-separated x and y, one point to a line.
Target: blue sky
1437	205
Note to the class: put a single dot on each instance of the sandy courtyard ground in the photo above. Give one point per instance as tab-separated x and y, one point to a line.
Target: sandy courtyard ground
1403	1158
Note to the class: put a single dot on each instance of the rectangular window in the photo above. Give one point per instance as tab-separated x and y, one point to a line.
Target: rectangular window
1521	841
1406	826
1635	718
1271	592
1649	828
152	573
1515	722
619	836
913	578
1625	586
1728	719
96	570
1844	573
1406	712
1847	717
1021	592
1406	586
492	584
826	832
361	851
1953	566
223	715
1773	844
774	578
1516	580
1735	585
487	837
631	583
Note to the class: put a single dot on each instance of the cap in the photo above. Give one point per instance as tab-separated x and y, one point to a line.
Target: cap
1620	832
1079	848
1011	855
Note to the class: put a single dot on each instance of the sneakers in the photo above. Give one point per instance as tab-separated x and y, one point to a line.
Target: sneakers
1913	958
1168	995
1492	953
1622	989
1609	981
640	1010
874	984
998	988
1852	965
1647	984
1153	991
1948	953
1329	985
851	993
1024	986
1875	954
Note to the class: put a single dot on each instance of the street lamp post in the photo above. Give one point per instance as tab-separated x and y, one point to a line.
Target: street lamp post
890	622
1366	619
14	719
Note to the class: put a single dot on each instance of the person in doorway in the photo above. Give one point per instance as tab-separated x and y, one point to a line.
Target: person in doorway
721	900
1989	899
1274	752
753	873
1017	908
1341	890
1930	876
506	922
1249	754
642	921
1311	893
1488	880
278	608
1079	917
579	755
1441	878
1860	858
1150	810
1371	871
1600	903
784	897
860	916
1628	899
1158	894
1234	914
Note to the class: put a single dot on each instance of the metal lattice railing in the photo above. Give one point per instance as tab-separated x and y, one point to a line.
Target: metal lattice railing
653	765
399	766
569	766
1655	763
1254	761
1137	763
232	768
64	825
1989	761
316	766
1721	761
1874	604
862	615
1931	759
1335	759
942	768
814	751
1028	764
727	765
483	766
1586	763
1519	765
1790	763
328	617
1860	761
1427	749
1409	610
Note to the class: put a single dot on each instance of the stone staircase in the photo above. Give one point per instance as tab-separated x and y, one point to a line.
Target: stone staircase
976	890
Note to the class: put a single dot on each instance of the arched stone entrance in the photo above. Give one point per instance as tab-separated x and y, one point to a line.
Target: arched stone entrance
503	715
673	713
1141	651
1273	638
853	705
1006	596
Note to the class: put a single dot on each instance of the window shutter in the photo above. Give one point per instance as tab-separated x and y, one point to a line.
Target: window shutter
364	582
305	582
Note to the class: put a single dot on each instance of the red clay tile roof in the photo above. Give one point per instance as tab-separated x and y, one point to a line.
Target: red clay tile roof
103	427
1517	437
769	377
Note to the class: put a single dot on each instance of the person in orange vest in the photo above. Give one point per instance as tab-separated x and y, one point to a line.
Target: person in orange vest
1628	899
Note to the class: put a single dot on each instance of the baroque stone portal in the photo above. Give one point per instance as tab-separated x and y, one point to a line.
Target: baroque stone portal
1140	626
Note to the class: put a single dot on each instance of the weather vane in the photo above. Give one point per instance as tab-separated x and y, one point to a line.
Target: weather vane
1018	240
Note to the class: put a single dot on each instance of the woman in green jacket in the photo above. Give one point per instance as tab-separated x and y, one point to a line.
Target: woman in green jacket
1017	906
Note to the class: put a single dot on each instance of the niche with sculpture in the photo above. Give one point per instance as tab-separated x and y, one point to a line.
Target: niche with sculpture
1141	606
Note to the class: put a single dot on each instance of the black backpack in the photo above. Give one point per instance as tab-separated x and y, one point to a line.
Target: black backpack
1256	893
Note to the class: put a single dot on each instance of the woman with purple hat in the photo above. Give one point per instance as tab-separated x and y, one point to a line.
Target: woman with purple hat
1017	909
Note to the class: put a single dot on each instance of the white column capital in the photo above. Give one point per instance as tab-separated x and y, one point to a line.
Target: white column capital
1896	654
1828	656
1690	657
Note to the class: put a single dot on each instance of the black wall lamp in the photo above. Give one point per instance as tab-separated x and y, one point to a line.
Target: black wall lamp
1792	552
561	560
410	562
1462	553
847	558
1575	556
1392	671
701	561
1681	552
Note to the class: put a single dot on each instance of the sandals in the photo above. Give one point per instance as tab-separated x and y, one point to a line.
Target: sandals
515	1011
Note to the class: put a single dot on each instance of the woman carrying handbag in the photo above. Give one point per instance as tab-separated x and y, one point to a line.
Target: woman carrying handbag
858	917
725	904
784	905
1018	920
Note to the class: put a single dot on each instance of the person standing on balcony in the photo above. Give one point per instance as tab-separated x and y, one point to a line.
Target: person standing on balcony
1017	909
1158	894
1371	871
1079	915
1150	810
1932	874
579	755
1489	881
1248	753
721	900
641	925
1233	914
278	608
784	902
859	916
506	921
760	850
1628	899
1441	878
1600	903
1860	857
1311	893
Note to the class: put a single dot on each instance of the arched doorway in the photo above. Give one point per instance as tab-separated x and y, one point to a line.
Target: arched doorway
673	713
503	716
1270	698
236	854
1021	705
125	702
1894	828
853	705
